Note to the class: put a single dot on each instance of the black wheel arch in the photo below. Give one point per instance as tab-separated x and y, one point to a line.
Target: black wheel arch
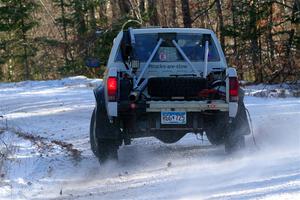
104	128
240	123
99	95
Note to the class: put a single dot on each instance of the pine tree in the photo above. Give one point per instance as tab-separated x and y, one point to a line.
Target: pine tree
17	47
64	22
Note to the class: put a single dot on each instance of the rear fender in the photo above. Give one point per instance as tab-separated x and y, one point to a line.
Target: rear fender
109	107
110	130
99	95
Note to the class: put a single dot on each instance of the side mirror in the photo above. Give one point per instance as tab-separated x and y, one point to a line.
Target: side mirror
92	62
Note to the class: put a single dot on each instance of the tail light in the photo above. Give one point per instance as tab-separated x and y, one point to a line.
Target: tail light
112	88
233	89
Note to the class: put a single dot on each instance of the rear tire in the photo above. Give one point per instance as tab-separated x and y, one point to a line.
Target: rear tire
216	128
234	143
214	138
235	137
108	150
93	139
103	148
216	134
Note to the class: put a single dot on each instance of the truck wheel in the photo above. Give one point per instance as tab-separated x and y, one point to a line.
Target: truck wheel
235	137
92	135
104	149
216	128
234	143
215	137
216	131
108	150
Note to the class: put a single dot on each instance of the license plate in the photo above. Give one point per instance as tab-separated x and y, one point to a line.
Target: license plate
173	117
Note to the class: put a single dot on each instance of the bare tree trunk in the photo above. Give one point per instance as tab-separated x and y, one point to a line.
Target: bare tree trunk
142	6
124	6
27	73
115	10
174	16
187	21
79	12
25	56
103	12
152	10
296	25
270	37
235	48
254	42
62	7
92	22
261	69
164	16
221	22
234	24
289	47
270	42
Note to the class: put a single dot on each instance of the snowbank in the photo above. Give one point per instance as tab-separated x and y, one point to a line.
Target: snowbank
49	157
276	90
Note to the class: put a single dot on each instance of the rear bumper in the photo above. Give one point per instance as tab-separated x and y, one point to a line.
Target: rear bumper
145	118
150	124
188	106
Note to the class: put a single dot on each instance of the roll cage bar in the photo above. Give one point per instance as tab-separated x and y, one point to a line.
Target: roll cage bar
163	37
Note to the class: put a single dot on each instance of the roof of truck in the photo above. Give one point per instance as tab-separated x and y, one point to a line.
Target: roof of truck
172	30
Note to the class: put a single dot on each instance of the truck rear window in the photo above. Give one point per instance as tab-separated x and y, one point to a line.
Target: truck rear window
190	43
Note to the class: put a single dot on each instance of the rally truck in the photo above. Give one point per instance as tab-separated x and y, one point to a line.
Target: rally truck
165	83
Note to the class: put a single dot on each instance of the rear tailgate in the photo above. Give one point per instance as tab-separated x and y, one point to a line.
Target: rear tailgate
187	106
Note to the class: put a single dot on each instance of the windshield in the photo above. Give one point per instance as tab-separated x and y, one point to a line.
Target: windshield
190	43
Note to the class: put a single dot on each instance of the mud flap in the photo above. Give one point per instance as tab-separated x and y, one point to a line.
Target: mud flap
240	124
104	129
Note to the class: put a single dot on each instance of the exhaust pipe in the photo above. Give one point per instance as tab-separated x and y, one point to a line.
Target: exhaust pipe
135	94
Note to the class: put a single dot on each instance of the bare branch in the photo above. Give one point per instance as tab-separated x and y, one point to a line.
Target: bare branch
203	12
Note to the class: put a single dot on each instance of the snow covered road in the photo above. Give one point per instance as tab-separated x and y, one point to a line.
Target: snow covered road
50	155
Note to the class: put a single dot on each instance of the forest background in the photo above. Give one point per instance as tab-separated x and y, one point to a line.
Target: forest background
51	39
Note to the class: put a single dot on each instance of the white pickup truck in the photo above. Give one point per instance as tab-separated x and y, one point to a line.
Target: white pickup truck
166	82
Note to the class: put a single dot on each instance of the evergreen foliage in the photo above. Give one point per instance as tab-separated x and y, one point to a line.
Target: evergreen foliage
48	39
17	48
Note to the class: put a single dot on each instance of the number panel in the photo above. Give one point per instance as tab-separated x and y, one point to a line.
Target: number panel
173	117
